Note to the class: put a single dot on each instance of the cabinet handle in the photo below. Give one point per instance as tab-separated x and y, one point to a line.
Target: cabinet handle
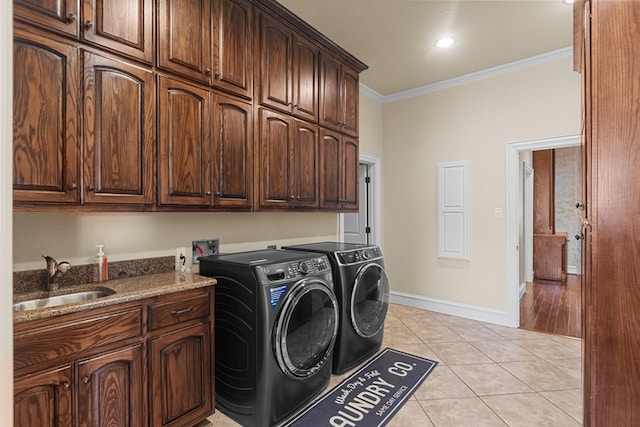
208	193
90	188
218	194
73	186
217	74
85	380
66	386
207	71
292	197
71	18
179	312
88	25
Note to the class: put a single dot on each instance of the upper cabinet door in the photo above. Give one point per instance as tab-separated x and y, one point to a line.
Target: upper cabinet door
184	38
275	65
184	144
119	132
305	164
305	80
232	128
276	132
125	26
350	91
232	46
45	119
57	15
350	174
339	96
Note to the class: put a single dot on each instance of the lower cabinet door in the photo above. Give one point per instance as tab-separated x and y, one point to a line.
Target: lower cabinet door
43	399
110	389
181	376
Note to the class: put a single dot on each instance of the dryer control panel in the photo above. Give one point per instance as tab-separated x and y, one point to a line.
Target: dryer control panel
293	270
359	255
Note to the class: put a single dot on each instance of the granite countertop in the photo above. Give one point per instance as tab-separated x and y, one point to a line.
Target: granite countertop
125	290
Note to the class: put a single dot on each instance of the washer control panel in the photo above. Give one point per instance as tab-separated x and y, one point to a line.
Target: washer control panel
294	269
359	255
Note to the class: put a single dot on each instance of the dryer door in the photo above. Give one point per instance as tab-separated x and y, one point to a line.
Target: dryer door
369	300
306	328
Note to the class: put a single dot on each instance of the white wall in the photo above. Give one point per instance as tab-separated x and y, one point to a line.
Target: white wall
6	135
470	122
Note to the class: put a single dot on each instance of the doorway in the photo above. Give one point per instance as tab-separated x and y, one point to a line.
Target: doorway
515	263
364	226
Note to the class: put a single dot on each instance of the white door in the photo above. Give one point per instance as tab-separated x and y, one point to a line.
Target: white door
356	225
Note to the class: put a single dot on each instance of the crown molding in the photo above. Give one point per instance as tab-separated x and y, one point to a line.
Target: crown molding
471	77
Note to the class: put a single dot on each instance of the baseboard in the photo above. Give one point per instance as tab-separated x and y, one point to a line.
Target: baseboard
483	314
523	289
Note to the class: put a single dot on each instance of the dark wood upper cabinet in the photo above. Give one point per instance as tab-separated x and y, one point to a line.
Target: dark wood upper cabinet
233	152
123	26
184	144
45	119
233	46
339	158
184	38
288	70
62	16
119	132
288	162
339	96
209	41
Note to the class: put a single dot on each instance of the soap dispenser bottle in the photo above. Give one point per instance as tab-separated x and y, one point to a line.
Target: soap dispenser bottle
101	273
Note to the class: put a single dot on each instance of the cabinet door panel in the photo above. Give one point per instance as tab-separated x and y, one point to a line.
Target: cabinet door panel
119	132
184	37
181	376
350	100
125	26
305	80
184	144
275	68
44	399
45	120
233	35
305	164
330	100
110	389
233	152
275	148
350	175
329	154
58	15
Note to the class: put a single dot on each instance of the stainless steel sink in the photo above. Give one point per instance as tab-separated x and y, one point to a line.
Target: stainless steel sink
53	301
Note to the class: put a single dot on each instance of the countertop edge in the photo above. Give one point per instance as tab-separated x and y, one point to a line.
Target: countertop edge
125	290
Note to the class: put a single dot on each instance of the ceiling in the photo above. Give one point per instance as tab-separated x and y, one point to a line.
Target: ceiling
395	38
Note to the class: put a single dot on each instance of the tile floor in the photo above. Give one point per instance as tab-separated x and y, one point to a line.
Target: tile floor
488	375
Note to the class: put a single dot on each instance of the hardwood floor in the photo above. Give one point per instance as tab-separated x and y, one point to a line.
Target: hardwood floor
552	307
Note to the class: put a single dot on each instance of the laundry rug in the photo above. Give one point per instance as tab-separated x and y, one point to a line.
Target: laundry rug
371	396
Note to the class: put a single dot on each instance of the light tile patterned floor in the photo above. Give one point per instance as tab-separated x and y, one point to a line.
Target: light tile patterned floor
488	375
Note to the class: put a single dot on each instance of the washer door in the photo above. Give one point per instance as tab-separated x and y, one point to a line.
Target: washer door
369	300
306	328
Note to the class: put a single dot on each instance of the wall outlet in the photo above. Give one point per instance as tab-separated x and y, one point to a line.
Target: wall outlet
181	258
204	248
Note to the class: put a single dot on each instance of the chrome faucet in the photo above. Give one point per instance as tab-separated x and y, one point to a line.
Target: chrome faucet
54	271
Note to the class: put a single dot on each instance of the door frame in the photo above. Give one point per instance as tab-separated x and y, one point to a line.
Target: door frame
375	197
512	218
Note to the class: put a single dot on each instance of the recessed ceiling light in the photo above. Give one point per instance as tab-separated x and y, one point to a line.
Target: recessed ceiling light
445	41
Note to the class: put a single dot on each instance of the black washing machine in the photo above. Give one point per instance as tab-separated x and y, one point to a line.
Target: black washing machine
276	322
362	289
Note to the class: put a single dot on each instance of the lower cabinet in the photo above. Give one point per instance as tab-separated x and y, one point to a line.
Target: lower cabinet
110	392
139	371
181	376
44	398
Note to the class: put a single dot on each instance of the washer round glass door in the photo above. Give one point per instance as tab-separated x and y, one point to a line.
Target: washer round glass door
306	328
369	300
